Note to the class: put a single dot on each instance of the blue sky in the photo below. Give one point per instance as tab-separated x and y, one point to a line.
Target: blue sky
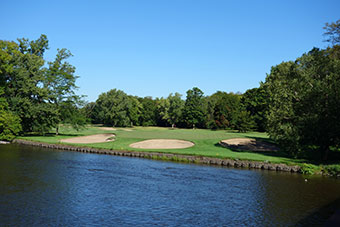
153	48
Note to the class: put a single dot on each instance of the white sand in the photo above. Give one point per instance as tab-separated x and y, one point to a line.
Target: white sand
162	144
248	144
98	138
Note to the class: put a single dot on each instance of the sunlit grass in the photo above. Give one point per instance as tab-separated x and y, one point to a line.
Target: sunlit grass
206	141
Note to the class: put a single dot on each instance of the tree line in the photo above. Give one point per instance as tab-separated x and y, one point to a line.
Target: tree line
219	111
298	104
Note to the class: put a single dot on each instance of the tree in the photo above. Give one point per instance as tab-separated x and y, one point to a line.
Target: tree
23	82
176	105
223	110
193	112
304	103
170	109
244	122
34	92
9	123
148	111
60	82
116	108
332	32
255	101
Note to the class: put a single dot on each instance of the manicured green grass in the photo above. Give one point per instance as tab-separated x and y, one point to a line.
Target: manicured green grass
206	142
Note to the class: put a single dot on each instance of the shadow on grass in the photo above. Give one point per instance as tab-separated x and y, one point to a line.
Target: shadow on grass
237	148
50	134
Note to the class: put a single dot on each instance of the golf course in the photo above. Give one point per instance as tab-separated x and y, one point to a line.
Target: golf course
202	142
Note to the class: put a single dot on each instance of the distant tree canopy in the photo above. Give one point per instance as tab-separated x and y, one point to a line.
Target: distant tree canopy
35	93
116	108
193	112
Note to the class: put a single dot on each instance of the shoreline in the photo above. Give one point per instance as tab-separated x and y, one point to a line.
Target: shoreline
169	157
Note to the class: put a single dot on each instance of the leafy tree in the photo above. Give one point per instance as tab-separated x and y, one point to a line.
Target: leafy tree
60	82
116	108
148	115
304	103
170	109
244	122
193	112
23	78
333	32
223	110
9	123
134	110
255	101
163	106
176	105
33	91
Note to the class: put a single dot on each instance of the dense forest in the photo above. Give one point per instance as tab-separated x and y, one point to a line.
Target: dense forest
298	104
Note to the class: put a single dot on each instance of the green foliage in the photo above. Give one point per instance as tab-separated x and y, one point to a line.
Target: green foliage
35	93
333	170
148	116
256	102
223	110
171	108
244	122
309	169
9	123
304	100
193	112
115	108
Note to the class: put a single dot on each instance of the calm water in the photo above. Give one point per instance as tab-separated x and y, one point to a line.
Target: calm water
45	187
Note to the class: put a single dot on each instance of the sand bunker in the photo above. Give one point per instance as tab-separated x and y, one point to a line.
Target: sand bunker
114	129
107	129
248	144
98	138
162	144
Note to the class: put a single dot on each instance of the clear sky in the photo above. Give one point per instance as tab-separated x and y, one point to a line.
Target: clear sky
153	48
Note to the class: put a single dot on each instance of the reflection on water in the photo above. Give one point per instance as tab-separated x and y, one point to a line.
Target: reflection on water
40	187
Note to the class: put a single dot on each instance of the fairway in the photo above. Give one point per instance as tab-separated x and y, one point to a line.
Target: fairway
206	142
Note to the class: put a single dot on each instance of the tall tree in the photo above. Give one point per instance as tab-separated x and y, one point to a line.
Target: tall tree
116	108
175	111
255	101
304	103
60	83
148	111
223	110
171	108
193	112
24	80
35	92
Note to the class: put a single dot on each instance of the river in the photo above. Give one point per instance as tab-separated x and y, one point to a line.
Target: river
40	187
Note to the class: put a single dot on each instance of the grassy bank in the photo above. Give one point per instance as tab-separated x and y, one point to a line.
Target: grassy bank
206	143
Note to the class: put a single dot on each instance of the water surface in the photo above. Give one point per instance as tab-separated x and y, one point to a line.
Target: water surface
41	187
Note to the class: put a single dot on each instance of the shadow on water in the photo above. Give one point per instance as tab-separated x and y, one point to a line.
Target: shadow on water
329	212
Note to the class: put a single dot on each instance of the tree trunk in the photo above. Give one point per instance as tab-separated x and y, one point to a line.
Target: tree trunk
324	151
57	130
